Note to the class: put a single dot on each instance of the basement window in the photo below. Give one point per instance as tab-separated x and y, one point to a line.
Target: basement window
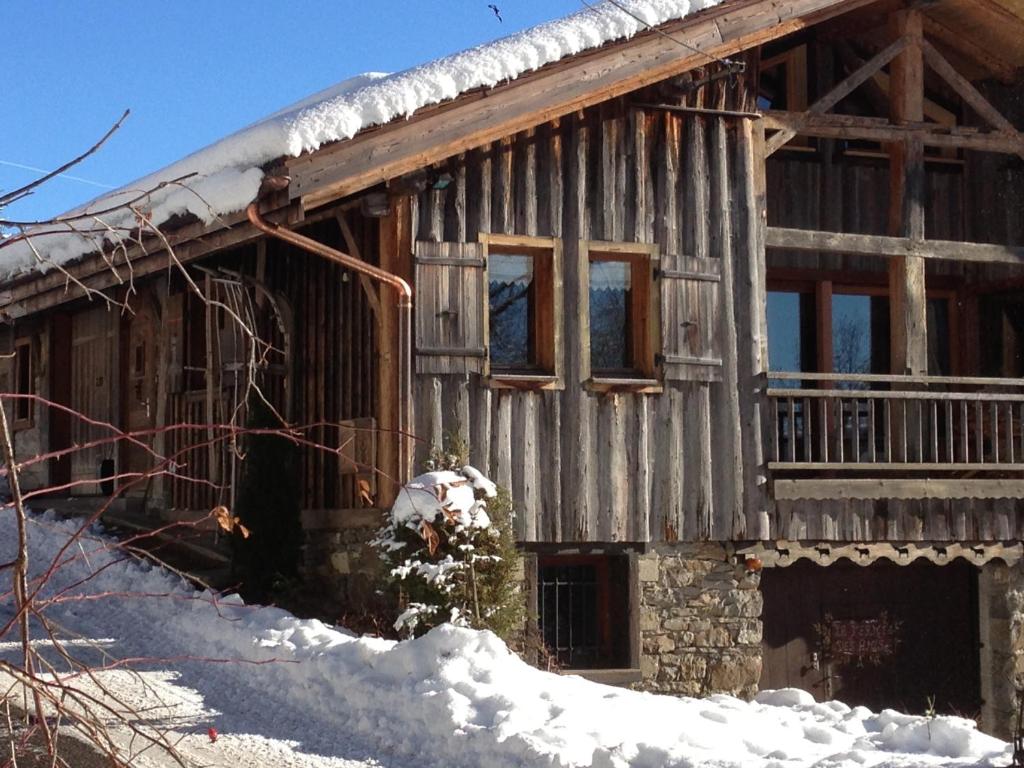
622	313
524	304
583	610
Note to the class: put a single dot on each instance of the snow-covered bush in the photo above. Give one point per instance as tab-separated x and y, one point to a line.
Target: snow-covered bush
450	554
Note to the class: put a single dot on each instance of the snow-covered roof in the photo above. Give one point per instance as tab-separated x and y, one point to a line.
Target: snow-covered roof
225	177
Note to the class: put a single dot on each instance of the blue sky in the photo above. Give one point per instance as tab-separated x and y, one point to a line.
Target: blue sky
192	72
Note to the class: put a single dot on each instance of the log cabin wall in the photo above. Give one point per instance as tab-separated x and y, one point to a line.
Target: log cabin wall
585	466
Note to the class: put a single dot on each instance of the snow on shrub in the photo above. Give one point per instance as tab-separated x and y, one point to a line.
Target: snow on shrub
450	553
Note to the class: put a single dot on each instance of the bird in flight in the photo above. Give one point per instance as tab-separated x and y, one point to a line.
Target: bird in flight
497	11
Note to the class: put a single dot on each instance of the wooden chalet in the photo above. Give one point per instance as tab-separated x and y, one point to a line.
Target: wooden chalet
734	307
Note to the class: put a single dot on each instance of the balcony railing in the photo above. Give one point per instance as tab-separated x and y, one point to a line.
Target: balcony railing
870	422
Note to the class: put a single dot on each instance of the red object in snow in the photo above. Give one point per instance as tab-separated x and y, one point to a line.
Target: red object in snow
212	733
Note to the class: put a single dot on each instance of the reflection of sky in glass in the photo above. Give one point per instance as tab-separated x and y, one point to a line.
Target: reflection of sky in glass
783	331
510	280
508	268
851	333
609	315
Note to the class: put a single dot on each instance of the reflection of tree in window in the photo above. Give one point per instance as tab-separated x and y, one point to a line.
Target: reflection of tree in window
849	346
610	313
860	334
512	307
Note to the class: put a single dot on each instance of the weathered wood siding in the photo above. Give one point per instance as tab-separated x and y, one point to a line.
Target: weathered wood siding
900	520
834	192
584	466
94	392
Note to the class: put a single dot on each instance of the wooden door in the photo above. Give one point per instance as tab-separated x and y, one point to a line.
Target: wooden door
93	394
881	636
138	376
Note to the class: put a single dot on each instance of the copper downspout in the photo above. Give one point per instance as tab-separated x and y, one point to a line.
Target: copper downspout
404	304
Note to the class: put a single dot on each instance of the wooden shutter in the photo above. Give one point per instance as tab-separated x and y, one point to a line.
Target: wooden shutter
357	455
451	308
691	340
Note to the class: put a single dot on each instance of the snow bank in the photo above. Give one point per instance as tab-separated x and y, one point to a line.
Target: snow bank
457	697
225	177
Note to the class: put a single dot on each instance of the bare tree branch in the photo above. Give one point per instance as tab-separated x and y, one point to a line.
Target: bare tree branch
17	194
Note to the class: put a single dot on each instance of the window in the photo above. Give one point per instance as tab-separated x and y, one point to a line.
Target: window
583	610
621	311
523	306
24	383
825	327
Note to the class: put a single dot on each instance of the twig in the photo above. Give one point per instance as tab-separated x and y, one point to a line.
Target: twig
17	194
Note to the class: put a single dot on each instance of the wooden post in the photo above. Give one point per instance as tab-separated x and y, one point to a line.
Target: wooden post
395	256
909	344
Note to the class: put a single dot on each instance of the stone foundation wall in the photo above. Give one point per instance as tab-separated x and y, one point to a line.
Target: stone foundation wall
337	559
700	625
1001	630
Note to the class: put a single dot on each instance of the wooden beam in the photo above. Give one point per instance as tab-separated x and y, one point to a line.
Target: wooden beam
907	305
966	90
879	129
842	90
874	488
879	245
481	117
369	289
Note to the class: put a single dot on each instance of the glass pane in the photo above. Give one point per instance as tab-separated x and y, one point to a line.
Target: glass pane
860	334
610	308
792	334
511	289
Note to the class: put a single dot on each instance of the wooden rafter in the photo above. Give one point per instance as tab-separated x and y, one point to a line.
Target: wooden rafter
815	121
965	46
965	89
841	91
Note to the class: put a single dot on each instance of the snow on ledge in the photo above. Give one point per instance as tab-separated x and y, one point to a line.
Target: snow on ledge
225	176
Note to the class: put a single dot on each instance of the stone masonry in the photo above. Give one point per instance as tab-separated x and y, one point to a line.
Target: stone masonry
1001	629
700	626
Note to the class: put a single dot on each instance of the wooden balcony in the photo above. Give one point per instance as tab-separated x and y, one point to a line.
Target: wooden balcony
837	435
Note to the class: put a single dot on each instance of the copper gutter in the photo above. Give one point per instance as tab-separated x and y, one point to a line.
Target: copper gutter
403	293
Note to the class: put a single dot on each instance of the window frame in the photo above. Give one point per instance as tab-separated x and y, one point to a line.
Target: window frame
645	315
547	326
24	349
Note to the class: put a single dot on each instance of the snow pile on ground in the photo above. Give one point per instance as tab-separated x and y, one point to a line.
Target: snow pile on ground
454	697
225	177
